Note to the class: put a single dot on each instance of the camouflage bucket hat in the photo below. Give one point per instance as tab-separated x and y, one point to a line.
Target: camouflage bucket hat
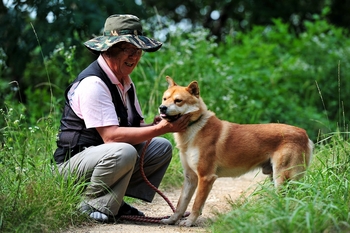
122	28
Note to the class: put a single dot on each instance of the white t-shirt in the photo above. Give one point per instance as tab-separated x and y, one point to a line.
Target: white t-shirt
91	99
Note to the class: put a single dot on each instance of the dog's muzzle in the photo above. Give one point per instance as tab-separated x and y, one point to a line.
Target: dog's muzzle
163	114
162	109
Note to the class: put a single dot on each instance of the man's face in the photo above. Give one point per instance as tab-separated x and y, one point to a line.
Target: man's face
124	58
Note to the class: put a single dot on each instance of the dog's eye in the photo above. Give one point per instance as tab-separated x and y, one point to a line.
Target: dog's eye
177	101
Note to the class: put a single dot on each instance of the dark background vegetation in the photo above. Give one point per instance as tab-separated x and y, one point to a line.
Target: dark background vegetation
283	61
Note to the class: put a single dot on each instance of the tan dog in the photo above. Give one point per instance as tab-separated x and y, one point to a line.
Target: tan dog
212	148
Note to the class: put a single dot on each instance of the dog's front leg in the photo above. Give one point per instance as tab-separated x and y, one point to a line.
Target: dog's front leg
204	186
187	192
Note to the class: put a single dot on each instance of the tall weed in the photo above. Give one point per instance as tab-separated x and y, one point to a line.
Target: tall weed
33	197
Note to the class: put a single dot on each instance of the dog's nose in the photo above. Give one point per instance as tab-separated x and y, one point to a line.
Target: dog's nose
162	109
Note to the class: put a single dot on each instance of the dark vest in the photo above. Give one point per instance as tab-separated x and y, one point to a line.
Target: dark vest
73	135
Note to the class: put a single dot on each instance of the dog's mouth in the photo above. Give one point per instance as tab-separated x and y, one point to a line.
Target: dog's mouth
170	118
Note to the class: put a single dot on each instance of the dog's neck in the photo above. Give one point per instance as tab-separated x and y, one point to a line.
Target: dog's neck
197	115
195	121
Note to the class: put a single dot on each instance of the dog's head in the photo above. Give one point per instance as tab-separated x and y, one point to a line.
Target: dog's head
178	100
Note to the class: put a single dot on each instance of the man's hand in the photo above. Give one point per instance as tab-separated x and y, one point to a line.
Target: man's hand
156	120
178	125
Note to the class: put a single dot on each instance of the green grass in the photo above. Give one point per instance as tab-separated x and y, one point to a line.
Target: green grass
33	197
320	202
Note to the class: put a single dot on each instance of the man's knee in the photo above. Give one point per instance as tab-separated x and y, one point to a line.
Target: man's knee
165	148
123	153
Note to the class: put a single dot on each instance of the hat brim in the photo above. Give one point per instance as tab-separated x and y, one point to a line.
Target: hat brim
103	43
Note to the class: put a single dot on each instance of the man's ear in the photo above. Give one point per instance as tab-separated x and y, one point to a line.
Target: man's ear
170	82
193	88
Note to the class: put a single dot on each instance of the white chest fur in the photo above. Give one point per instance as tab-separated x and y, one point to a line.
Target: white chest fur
185	141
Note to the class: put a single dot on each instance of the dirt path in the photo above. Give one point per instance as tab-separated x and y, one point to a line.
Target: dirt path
224	189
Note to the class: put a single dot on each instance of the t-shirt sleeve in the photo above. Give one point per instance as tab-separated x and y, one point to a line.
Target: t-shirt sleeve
91	100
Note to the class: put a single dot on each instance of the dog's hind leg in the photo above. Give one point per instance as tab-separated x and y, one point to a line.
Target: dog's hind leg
188	189
288	164
205	184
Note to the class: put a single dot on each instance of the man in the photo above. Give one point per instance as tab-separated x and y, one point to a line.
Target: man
102	132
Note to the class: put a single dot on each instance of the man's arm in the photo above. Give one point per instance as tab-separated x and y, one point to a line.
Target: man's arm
136	135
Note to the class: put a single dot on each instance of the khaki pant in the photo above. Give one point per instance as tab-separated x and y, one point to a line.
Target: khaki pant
112	172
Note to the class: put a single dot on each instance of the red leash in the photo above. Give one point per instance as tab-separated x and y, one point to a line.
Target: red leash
145	218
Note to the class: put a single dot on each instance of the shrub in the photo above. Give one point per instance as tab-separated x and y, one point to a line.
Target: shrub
266	75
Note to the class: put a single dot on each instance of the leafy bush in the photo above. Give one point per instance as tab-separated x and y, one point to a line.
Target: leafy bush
266	75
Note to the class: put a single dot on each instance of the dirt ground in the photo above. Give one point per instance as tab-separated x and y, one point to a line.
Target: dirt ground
224	190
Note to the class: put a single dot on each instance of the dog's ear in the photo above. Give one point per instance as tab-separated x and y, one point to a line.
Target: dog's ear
170	81
193	88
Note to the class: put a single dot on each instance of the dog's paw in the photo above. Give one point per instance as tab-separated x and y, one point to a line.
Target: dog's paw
186	223
167	221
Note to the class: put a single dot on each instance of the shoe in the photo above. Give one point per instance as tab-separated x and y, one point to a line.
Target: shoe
98	216
127	209
93	213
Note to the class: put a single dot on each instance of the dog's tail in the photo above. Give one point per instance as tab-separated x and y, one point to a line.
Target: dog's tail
309	153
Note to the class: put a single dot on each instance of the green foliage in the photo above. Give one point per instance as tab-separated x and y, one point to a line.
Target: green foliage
266	75
33	197
45	95
52	22
277	72
318	203
223	17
